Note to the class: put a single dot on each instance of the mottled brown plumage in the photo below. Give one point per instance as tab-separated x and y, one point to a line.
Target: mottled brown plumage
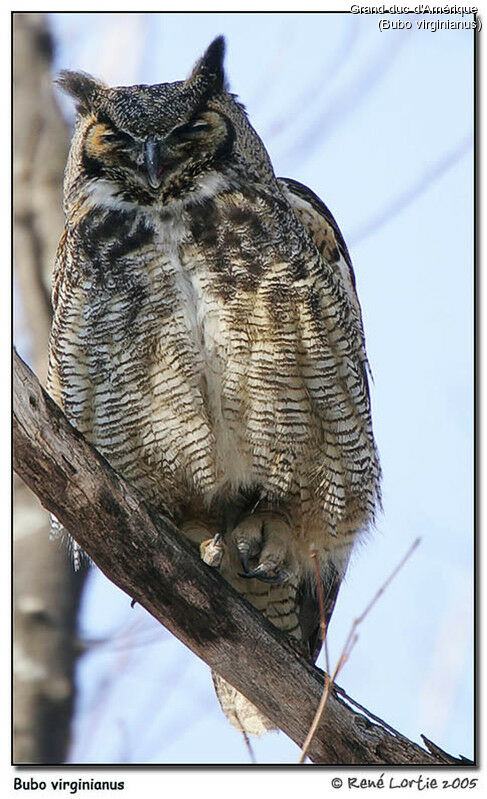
208	341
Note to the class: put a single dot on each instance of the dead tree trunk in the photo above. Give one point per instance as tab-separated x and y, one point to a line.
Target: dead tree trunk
40	150
46	590
146	557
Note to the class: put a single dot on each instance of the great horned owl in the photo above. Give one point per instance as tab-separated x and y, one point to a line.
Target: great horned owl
208	340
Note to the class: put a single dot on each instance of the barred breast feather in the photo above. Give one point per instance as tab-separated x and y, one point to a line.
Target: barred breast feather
217	351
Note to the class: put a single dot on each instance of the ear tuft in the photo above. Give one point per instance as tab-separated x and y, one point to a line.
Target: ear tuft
210	66
85	89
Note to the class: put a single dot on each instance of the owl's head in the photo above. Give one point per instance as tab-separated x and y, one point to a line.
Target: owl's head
151	144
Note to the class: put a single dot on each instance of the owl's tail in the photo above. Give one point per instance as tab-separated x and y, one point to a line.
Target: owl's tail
279	604
239	710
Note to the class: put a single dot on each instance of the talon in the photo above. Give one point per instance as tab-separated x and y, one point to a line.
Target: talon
211	551
260	573
263	540
244	560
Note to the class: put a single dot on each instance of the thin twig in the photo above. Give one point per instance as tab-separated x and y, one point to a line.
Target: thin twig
317	718
352	637
321	604
350	642
249	747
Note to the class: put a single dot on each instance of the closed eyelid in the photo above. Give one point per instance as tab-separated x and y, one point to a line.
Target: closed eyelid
194	125
121	135
107	130
199	123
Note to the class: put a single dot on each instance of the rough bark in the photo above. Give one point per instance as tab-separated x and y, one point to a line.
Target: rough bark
46	590
143	554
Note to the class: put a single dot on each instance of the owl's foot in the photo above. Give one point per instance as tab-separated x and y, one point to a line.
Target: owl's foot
210	546
212	551
262	541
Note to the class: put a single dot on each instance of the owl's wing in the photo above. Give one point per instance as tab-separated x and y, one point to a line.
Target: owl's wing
320	224
306	202
322	227
53	383
53	386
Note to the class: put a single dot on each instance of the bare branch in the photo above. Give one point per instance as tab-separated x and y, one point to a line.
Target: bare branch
349	643
411	193
145	556
346	100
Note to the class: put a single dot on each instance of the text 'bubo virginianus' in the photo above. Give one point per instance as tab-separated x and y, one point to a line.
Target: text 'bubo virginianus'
208	340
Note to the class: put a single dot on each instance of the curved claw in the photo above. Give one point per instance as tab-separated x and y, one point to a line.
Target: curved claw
261	574
211	551
244	560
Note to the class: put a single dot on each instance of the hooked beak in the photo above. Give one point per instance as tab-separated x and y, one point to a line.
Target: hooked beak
153	163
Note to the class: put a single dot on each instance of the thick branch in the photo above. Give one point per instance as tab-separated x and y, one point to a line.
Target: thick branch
146	557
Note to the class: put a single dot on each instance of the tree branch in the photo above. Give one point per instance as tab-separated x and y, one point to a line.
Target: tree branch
145	556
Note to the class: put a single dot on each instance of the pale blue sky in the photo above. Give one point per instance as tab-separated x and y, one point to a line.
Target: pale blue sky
380	126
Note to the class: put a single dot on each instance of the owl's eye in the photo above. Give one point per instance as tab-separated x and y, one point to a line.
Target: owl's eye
198	125
190	130
119	137
113	135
